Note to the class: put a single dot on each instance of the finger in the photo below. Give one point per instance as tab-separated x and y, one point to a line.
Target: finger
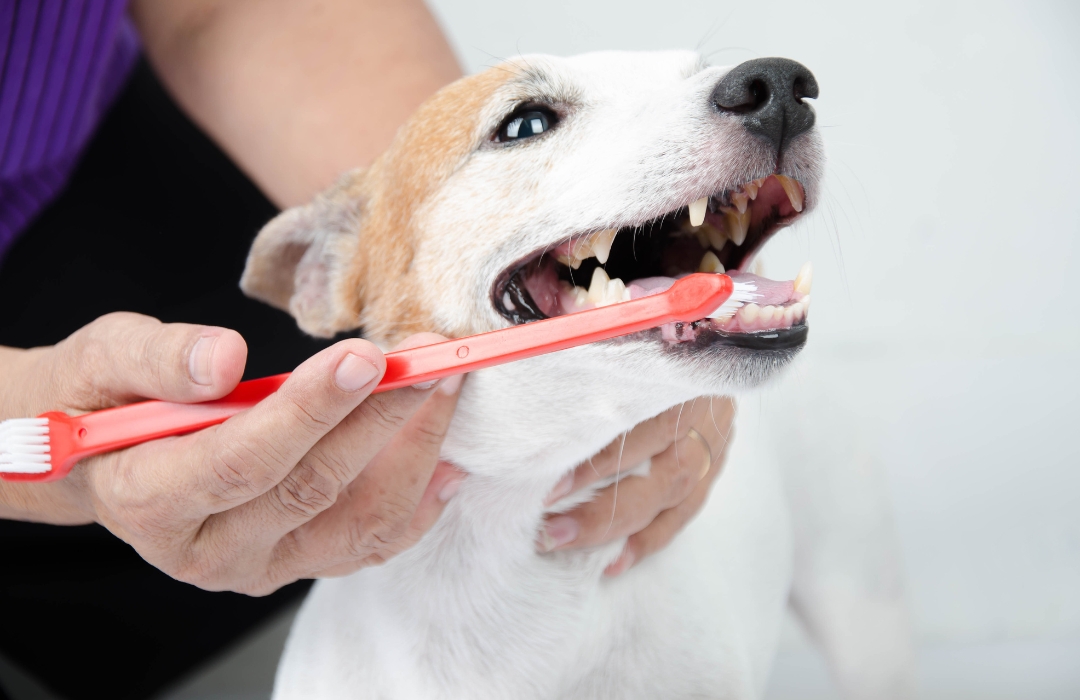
250	453
125	357
387	507
443	486
646	440
631	504
659	533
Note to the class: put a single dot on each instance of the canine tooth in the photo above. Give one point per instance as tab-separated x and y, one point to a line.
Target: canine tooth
697	211
751	189
737	224
749	313
598	286
740	201
600	242
793	190
710	263
805	278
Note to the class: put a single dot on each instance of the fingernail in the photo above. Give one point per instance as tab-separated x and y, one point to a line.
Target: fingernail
199	361
354	373
558	531
561	489
450	385
624	562
424	386
450	488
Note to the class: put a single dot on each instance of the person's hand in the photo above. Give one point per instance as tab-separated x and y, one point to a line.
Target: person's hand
648	510
317	479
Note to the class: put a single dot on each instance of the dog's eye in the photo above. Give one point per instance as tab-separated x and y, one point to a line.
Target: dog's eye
526	123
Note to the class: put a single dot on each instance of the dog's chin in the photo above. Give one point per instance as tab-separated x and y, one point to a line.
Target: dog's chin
715	363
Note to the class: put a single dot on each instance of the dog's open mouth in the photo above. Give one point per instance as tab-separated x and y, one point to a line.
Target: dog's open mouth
615	265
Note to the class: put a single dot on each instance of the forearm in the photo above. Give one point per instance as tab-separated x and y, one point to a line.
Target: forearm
297	91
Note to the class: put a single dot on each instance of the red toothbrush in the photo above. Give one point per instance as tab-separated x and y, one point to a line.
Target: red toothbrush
47	447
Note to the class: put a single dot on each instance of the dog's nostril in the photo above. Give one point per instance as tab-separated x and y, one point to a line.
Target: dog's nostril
767	94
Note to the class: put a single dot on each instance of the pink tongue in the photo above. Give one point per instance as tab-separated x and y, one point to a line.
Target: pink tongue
770	291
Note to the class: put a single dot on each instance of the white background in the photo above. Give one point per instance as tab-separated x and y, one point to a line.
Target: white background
944	338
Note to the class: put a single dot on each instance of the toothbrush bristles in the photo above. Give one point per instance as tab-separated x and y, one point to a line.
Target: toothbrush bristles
24	446
742	293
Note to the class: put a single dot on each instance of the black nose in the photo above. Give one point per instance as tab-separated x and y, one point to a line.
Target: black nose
767	93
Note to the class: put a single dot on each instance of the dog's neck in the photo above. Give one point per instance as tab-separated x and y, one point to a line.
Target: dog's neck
518	429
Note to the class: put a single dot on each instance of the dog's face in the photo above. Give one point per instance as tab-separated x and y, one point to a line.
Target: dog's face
549	185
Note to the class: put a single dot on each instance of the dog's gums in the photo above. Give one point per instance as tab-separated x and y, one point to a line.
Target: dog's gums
719	233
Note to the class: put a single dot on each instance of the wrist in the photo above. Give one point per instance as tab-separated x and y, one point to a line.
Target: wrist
55	503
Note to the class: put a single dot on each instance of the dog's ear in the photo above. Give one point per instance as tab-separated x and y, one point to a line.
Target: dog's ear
298	261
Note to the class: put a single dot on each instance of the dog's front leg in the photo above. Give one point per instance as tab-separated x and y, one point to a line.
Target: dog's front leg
848	587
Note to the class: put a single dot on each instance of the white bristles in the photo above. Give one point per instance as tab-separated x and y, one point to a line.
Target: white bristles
24	446
743	293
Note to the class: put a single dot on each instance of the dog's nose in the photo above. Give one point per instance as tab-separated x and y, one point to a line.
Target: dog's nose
767	93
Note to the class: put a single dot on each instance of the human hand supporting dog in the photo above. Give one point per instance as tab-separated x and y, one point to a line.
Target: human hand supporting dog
648	510
319	479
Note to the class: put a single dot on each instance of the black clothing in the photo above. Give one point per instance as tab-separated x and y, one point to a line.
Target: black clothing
156	220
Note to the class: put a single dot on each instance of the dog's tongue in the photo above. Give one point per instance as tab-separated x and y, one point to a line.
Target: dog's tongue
770	291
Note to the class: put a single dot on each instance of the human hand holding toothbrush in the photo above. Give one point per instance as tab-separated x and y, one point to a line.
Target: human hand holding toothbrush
314	480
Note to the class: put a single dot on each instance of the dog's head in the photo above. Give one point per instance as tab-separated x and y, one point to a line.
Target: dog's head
547	185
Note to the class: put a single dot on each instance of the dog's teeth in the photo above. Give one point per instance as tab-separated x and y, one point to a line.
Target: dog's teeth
710	263
697	211
751	189
740	201
598	286
769	313
749	313
793	190
600	242
805	278
569	261
703	236
581	296
738	223
714	237
616	292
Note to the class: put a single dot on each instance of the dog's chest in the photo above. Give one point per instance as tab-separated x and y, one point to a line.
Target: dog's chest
473	611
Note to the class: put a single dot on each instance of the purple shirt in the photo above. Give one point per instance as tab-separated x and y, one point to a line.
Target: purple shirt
63	63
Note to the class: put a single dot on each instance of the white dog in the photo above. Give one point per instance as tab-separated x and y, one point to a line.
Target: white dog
542	187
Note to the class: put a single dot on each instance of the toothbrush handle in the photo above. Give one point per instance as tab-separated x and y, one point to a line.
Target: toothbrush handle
689	299
74	438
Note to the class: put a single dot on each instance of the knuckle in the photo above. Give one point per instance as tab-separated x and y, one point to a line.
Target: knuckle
386	417
315	419
308	490
378	532
241	472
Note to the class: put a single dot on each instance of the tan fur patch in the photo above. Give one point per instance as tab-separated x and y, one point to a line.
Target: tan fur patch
378	286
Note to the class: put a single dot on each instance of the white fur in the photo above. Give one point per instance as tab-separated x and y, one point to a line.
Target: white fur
473	611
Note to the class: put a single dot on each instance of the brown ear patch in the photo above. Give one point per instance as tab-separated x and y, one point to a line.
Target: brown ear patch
297	260
345	260
426	151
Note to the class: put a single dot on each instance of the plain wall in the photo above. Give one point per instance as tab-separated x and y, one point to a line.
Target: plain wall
944	337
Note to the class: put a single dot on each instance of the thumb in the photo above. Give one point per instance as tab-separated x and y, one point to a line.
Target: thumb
124	357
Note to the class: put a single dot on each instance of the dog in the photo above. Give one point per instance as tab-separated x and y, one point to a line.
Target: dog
541	187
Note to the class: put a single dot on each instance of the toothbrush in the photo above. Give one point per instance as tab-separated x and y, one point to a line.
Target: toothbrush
47	447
